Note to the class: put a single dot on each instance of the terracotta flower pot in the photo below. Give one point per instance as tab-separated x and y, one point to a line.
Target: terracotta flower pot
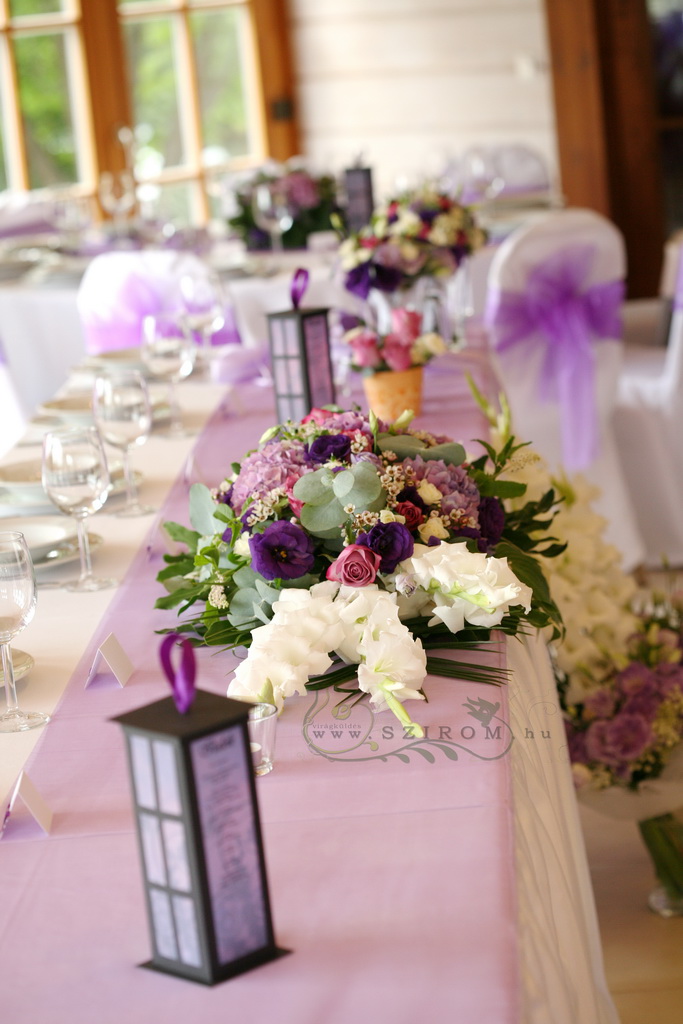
389	393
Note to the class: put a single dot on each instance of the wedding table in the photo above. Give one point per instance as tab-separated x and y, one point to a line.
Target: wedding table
432	885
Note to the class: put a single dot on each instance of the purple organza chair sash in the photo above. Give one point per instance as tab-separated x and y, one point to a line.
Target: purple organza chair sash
678	293
559	311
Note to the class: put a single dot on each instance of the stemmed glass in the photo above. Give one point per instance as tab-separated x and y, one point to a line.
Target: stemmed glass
76	480
204	307
17	605
123	414
271	213
117	196
168	353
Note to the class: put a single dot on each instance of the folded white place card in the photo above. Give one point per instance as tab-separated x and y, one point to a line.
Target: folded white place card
25	791
112	653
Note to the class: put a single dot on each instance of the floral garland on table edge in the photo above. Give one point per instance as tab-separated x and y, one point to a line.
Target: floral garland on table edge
619	670
344	547
312	201
424	233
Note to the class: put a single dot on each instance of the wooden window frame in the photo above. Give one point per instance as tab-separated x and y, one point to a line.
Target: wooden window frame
100	95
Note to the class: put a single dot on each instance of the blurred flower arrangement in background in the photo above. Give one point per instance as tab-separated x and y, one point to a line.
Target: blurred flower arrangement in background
421	233
312	201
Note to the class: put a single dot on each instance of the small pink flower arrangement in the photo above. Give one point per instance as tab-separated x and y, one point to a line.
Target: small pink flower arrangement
403	347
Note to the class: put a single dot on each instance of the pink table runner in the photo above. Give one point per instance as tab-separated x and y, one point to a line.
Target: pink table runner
391	870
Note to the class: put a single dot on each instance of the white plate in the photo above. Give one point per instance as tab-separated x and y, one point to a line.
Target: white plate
72	407
20	482
128	357
78	408
66	552
43	534
22	664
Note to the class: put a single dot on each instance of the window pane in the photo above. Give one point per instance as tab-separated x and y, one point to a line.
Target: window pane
18	7
216	40
45	108
149	48
173	204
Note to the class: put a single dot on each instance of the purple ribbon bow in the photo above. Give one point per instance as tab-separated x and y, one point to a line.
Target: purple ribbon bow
559	311
298	286
182	678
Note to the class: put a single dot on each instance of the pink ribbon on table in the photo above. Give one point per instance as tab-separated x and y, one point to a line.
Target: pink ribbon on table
298	286
182	679
558	310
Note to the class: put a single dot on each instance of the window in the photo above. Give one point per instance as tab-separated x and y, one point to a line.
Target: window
200	82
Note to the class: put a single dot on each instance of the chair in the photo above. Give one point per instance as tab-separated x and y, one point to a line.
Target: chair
120	288
554	296
12	418
648	423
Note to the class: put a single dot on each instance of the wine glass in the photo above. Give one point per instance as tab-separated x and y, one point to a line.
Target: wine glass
204	306
117	196
168	353
17	605
76	480
271	213
123	414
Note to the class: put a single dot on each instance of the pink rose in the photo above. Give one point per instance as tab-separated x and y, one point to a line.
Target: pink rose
356	566
316	415
396	353
407	324
294	503
364	347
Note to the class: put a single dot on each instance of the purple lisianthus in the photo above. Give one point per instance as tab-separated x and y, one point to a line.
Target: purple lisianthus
600	703
633	677
491	523
393	542
576	741
283	551
411	494
619	740
329	446
645	700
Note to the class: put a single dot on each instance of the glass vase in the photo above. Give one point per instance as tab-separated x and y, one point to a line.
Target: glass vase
427	295
663	837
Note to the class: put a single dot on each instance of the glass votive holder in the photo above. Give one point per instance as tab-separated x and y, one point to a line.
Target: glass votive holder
262	723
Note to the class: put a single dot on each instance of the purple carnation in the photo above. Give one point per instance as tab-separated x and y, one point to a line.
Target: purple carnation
329	446
283	551
631	679
393	542
458	490
600	703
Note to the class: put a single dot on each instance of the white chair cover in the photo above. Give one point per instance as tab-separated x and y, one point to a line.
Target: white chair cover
120	288
555	288
12	418
648	424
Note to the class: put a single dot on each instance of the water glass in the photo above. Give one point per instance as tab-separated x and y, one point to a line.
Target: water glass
76	480
17	606
262	723
123	414
272	213
168	352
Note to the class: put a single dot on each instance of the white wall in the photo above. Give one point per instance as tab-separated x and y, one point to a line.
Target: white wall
410	83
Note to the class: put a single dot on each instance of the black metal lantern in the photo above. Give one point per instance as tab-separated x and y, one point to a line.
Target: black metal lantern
300	356
359	197
199	837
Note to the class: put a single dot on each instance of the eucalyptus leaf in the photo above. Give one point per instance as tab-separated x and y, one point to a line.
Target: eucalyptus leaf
343	483
202	507
243	606
314	488
321	519
182	535
451	453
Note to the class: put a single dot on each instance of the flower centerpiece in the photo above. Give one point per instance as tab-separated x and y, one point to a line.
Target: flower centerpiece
391	364
345	549
311	200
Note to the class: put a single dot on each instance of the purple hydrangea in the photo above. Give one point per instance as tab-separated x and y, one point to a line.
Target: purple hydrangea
459	492
393	542
283	551
267	469
329	446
